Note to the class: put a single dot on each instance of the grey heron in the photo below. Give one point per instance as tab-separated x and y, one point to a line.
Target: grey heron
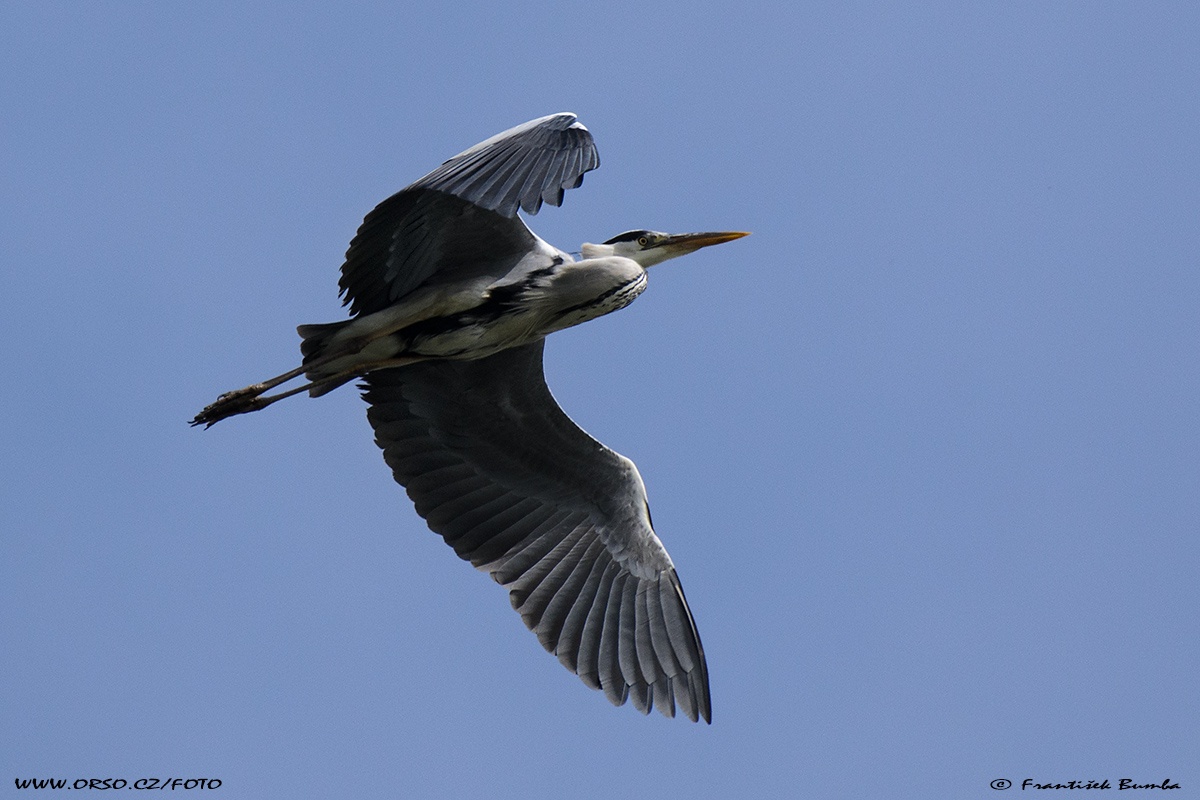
451	297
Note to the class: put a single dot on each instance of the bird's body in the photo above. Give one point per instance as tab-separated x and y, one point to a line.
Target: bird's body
545	292
452	297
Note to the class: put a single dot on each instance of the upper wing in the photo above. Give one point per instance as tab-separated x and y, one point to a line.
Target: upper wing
461	219
515	487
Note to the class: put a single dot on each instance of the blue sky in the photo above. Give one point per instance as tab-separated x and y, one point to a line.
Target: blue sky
923	448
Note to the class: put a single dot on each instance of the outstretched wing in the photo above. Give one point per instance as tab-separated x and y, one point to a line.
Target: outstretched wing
460	220
516	488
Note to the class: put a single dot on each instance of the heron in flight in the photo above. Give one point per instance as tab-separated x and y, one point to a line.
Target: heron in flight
452	297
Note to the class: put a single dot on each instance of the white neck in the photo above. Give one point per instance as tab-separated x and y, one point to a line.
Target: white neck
589	250
630	250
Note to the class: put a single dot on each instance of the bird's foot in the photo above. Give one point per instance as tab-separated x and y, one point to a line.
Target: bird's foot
239	401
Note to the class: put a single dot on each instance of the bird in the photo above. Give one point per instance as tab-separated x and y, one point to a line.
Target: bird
451	297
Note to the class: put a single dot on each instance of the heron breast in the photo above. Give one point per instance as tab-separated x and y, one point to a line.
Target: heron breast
613	299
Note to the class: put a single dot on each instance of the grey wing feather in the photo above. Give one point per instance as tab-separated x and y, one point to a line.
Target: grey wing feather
517	489
521	167
460	220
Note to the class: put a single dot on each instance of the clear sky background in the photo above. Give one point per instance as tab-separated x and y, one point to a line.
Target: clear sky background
924	448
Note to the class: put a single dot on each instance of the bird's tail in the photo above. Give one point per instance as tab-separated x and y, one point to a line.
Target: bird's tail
314	347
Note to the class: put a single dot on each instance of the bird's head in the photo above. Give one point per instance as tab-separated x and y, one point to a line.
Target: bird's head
652	247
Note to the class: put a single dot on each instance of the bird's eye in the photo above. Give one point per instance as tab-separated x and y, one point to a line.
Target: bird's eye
643	241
